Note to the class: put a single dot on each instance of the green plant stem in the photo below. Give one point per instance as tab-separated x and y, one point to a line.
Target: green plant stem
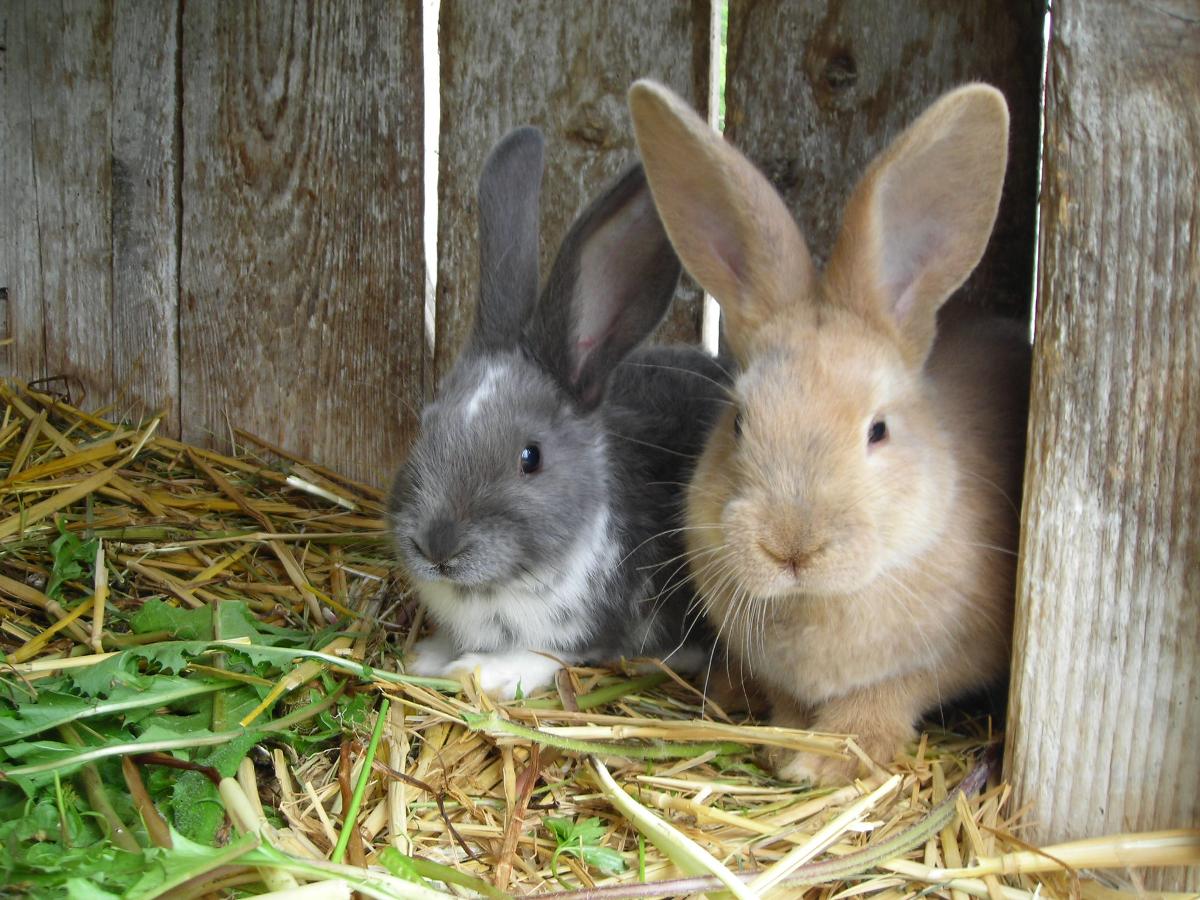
98	753
97	796
63	830
494	725
304	713
220	717
349	822
236	849
427	868
369	882
446	685
606	694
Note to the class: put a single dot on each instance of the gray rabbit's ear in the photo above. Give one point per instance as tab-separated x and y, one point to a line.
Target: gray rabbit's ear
610	286
509	189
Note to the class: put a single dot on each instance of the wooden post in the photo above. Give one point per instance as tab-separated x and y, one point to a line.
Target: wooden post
1104	717
814	90
302	274
565	69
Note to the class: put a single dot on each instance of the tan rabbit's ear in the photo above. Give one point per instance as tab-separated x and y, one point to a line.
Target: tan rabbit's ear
918	222
730	228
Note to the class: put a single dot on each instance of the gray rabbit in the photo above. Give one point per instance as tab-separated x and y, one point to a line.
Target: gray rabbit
539	512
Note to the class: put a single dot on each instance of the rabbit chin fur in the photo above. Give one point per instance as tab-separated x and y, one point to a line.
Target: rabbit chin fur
540	608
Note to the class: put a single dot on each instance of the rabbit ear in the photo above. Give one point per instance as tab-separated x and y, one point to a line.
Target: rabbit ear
727	223
610	285
918	222
509	189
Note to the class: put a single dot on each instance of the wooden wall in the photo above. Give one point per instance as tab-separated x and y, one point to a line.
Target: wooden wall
1104	719
508	64
231	231
814	90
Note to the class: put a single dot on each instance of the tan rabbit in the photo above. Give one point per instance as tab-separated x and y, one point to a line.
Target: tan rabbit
853	520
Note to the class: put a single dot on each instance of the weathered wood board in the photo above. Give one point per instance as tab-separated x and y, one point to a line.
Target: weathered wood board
57	190
301	273
88	248
145	208
1104	717
814	90
504	65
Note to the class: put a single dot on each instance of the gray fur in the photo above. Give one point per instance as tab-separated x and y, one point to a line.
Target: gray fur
618	433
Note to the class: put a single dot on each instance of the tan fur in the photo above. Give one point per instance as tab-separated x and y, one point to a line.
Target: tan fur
860	584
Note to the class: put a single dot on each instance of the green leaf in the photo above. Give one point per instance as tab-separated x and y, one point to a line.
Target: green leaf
139	694
182	624
401	866
166	869
582	840
69	554
83	889
197	807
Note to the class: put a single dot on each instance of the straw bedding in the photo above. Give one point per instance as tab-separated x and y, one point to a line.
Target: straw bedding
264	584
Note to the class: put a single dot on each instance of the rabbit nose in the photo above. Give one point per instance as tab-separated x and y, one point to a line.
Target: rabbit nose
441	541
786	557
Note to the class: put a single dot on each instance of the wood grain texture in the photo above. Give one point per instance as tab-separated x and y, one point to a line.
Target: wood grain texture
564	68
56	138
301	315
145	226
21	320
814	90
1105	700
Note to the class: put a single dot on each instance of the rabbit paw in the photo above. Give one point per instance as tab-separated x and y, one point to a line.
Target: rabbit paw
820	769
430	657
502	675
814	768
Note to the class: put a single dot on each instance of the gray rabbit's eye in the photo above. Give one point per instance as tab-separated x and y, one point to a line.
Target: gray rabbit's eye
531	459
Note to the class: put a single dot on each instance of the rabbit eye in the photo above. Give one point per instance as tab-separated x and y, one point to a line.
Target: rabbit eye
878	432
737	425
531	459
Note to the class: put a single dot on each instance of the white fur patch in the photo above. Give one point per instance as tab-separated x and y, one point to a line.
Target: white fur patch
541	610
485	390
430	657
502	674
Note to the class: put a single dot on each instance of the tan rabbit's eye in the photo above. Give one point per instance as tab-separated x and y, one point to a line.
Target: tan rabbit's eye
878	432
737	425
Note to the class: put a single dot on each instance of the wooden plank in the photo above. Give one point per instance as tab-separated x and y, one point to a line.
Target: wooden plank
145	229
505	65
1105	701
814	90
20	275
301	269
57	263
